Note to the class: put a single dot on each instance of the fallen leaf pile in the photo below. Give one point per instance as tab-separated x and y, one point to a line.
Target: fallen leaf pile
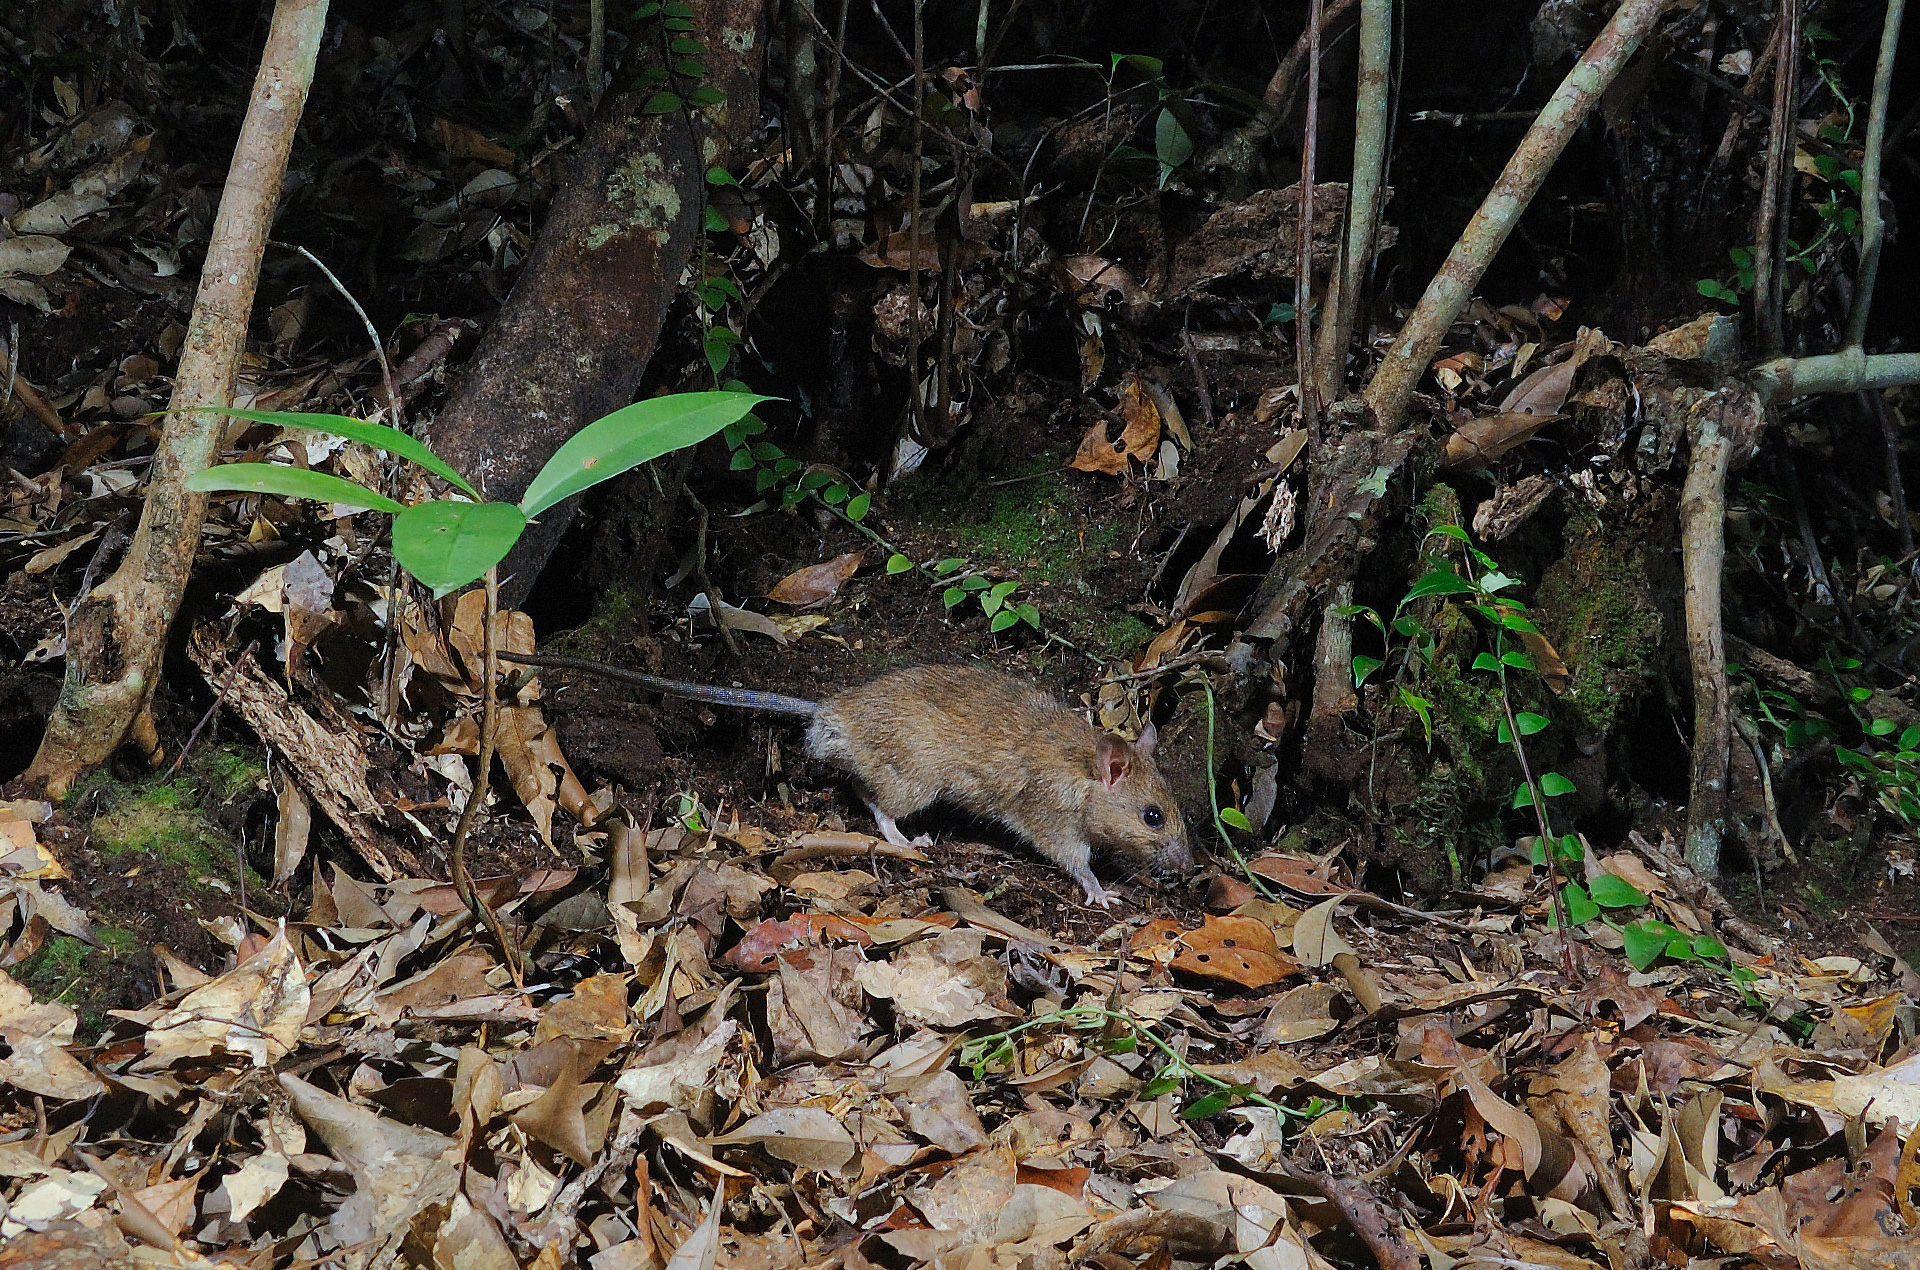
727	1057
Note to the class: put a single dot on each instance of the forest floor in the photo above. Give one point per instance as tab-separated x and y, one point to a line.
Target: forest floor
244	1027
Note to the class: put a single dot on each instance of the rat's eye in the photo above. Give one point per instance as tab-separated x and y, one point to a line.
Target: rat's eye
1153	816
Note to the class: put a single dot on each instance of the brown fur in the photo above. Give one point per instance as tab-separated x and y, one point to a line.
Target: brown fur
1002	749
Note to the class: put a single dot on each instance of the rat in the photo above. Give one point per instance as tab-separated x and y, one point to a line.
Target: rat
985	742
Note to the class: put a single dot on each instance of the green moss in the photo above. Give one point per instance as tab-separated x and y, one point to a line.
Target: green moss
1026	524
1126	636
1596	607
611	620
71	971
168	819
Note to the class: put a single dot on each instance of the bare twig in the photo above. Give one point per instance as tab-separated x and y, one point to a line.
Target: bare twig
1310	402
220	690
1363	203
1239	148
1872	226
1768	237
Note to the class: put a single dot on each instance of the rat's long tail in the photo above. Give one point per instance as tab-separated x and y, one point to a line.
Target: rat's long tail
743	698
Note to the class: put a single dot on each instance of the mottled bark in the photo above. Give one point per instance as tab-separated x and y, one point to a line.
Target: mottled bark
576	334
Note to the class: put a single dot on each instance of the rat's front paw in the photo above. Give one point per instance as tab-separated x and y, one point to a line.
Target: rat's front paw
1096	894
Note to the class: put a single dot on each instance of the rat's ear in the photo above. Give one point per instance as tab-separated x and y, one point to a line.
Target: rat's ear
1149	737
1111	760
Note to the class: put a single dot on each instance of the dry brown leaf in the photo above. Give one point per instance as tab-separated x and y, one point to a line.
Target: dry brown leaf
1239	950
1139	435
1478	442
817	583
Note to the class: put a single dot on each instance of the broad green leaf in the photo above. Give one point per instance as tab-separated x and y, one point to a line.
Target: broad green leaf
1449	531
952	596
944	567
1002	620
1553	784
1517	660
1364	666
1001	590
1610	890
1645	942
289	482
1234	818
447	545
1487	661
660	103
974	582
897	563
1580	906
705	96
857	507
1523	797
377	435
1422	707
1710	948
1171	144
1531	723
1028	614
1438	582
712	221
630	436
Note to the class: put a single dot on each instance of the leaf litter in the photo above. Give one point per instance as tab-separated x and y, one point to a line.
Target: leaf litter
722	1065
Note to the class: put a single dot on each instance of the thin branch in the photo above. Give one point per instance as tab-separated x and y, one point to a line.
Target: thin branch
489	724
1872	226
1310	402
1774	186
1446	296
1363	203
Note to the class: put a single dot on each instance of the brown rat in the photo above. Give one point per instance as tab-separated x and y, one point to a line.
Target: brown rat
984	742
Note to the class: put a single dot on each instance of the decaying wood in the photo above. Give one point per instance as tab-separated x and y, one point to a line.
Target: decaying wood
331	766
579	329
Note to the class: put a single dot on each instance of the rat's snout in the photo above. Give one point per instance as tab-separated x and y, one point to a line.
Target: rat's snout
1174	856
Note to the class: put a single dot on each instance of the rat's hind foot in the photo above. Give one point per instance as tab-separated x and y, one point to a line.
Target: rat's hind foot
890	830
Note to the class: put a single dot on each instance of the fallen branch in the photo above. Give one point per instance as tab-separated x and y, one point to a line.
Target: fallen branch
1723	431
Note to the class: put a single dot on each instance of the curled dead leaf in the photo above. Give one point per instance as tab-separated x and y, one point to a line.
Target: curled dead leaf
817	583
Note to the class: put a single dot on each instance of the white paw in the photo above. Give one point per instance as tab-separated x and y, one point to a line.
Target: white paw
924	840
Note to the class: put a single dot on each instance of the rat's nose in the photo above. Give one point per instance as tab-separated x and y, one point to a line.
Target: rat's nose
1175	857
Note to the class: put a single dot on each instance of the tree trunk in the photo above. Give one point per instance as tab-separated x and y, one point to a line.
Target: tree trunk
580	326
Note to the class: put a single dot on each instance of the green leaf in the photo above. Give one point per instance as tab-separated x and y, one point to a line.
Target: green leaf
1553	784
990	604
834	494
705	96
645	11
678	9
1001	590
1002	620
290	482
952	596
630	436
691	68
1522	796
447	545
1710	948
1171	144
1517	660
897	563
1449	531
377	435
1438	582
718	346
1028	614
1364	666
1158	1087
1151	67
1211	1105
717	176
1531	723
1518	622
660	103
974	582
1487	661
1580	906
1234	818
1645	942
742	460
1610	890
1881	727
1422	707
944	567
676	24
712	221
858	506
